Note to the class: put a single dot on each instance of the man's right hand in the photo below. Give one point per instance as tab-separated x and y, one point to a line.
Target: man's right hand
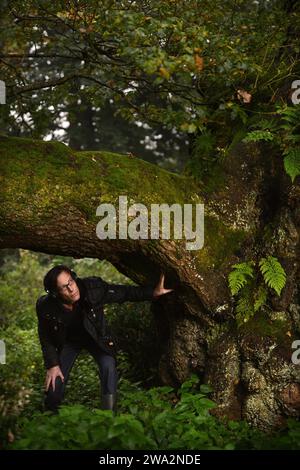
51	376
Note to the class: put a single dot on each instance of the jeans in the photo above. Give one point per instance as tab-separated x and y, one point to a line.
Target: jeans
108	374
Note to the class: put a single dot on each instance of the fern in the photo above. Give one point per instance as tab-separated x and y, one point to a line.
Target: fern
258	135
290	116
292	163
244	307
284	133
273	273
249	302
265	124
238	136
252	294
240	276
260	297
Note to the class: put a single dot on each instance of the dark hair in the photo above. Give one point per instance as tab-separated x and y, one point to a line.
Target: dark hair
50	279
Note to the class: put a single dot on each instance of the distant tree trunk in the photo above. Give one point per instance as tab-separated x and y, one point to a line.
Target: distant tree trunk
81	131
49	195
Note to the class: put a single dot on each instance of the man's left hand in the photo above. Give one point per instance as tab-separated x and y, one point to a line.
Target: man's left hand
159	289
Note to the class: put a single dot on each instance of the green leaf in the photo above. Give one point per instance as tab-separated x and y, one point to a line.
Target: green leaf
258	135
205	388
244	308
260	297
292	163
240	276
273	273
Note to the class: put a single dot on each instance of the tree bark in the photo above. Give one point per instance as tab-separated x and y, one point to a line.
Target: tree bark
49	196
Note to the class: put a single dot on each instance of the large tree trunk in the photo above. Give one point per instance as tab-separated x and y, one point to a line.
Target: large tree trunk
49	195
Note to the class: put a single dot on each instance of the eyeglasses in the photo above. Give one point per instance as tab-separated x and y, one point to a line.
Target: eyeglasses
65	288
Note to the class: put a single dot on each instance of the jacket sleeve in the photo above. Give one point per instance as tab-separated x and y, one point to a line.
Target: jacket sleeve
122	293
49	351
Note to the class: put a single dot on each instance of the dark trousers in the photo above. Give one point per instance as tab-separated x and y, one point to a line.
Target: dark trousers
108	374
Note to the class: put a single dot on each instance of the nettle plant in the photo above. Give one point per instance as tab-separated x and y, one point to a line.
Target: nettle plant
252	282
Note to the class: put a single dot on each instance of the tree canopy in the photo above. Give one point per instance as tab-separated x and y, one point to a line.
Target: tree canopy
211	73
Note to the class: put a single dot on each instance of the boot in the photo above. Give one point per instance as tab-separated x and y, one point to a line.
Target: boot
108	402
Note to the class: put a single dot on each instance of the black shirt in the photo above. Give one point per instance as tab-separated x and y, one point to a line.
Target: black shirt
75	331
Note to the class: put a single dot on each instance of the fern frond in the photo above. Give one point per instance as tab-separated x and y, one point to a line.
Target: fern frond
292	162
257	135
246	267
273	273
292	139
244	308
265	124
290	115
240	276
260	297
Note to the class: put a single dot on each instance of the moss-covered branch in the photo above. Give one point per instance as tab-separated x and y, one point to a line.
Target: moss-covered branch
49	196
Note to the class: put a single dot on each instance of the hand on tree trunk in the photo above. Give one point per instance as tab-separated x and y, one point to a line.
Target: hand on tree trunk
159	289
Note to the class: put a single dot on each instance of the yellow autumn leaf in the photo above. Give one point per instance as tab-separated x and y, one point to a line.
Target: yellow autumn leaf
164	72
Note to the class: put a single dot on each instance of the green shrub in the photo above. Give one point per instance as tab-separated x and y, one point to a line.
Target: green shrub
76	427
158	418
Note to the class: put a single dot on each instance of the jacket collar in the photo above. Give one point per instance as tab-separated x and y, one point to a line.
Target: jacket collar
55	304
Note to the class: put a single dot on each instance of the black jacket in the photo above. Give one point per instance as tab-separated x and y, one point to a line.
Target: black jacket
95	293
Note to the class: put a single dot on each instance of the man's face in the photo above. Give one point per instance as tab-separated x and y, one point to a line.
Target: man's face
67	288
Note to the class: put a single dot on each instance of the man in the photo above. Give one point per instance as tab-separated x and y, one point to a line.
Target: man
71	317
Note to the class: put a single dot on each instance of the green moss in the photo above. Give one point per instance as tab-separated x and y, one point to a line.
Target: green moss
43	177
139	180
220	242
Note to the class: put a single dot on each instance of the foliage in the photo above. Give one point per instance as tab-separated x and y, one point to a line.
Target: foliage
282	129
273	273
250	283
292	162
21	376
176	67
239	277
255	136
154	419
